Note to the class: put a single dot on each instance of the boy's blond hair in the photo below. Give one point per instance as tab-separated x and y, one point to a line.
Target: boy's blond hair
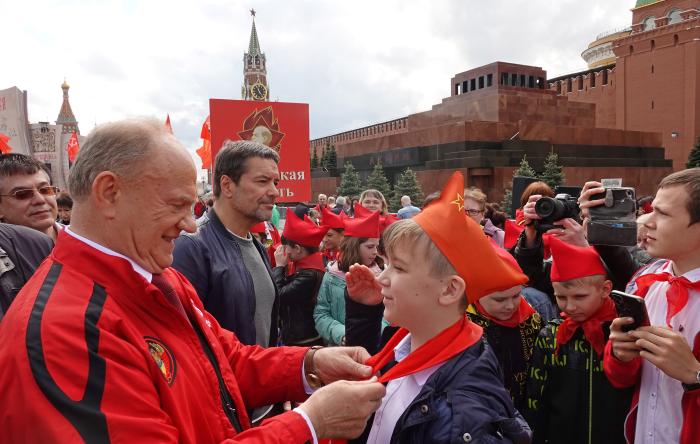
408	232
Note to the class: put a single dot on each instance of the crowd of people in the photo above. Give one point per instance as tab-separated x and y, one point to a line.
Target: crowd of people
132	309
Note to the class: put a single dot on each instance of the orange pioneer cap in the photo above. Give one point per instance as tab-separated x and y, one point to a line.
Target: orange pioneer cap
571	262
303	232
367	227
331	220
464	243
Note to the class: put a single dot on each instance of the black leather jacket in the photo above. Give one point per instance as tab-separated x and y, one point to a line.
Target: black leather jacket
297	295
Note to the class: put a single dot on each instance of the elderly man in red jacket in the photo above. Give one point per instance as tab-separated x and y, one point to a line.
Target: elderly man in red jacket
107	343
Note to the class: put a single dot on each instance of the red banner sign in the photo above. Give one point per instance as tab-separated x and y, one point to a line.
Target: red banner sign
283	127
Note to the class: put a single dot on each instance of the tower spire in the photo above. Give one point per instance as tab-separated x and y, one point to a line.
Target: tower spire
65	115
254	44
255	85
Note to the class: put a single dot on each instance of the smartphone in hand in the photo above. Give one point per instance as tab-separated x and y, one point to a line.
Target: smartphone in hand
630	306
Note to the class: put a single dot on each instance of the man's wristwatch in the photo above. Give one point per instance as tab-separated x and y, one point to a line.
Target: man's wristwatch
312	378
693	386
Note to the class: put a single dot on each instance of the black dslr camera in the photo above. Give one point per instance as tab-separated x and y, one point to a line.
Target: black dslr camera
554	209
614	222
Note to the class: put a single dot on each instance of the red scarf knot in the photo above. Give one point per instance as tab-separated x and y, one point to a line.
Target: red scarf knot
447	344
592	327
676	294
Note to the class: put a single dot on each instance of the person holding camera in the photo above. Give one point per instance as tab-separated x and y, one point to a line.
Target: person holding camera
529	251
663	360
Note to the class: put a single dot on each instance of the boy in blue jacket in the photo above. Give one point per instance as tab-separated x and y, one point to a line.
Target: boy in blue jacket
444	382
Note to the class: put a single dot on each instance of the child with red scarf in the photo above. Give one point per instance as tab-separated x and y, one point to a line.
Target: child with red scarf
298	275
570	399
444	383
334	235
510	325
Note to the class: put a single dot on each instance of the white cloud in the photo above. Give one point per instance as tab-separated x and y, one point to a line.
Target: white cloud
355	63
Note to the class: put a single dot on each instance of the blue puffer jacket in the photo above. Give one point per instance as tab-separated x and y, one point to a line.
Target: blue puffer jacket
213	262
464	401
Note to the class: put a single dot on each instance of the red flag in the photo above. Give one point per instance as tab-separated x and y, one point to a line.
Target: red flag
73	146
4	147
204	151
168	125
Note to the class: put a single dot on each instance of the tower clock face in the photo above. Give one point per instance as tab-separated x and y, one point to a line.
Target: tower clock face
259	91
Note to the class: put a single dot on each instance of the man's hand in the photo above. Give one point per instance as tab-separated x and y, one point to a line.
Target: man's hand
668	351
341	409
571	232
624	345
335	363
584	201
281	256
363	287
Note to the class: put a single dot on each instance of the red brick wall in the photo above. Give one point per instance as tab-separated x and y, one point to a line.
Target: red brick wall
672	88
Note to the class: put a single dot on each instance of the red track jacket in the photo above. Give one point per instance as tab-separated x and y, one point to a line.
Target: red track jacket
90	351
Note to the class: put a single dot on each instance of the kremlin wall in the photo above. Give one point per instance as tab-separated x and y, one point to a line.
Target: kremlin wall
632	114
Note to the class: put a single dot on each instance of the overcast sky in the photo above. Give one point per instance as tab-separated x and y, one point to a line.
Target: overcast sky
355	62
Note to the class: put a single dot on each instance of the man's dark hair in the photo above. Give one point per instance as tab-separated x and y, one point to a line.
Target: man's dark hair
690	179
231	160
15	163
64	200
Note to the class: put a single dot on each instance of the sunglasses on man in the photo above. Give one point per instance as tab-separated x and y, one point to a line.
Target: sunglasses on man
472	211
28	193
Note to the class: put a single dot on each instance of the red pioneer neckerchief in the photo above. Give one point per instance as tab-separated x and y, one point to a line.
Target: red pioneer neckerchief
523	312
450	342
676	294
592	328
313	262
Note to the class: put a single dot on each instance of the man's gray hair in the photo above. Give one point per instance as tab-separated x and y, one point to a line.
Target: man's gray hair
340	200
405	200
123	148
231	160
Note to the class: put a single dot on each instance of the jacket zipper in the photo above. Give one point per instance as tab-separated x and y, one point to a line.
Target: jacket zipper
226	403
590	396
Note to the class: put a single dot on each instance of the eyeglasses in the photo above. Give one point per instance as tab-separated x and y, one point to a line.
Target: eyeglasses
473	212
28	193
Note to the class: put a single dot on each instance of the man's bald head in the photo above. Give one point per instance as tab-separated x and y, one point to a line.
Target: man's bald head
127	148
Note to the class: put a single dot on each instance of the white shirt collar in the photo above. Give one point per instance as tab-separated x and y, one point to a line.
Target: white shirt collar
137	268
402	350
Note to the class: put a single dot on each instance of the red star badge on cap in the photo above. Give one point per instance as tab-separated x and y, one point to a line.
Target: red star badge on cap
459	202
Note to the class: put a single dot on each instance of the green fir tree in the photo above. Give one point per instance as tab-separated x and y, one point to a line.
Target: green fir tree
507	202
350	184
552	174
332	159
525	169
407	185
377	180
314	159
324	157
694	157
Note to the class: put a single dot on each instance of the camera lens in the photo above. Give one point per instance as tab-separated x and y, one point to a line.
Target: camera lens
545	207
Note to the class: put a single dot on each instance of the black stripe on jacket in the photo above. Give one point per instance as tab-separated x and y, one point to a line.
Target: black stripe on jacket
84	415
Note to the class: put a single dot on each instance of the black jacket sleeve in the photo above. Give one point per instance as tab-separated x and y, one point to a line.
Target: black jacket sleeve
363	324
532	262
620	263
295	289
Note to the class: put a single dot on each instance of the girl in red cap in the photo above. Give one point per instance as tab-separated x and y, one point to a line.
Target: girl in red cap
358	246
